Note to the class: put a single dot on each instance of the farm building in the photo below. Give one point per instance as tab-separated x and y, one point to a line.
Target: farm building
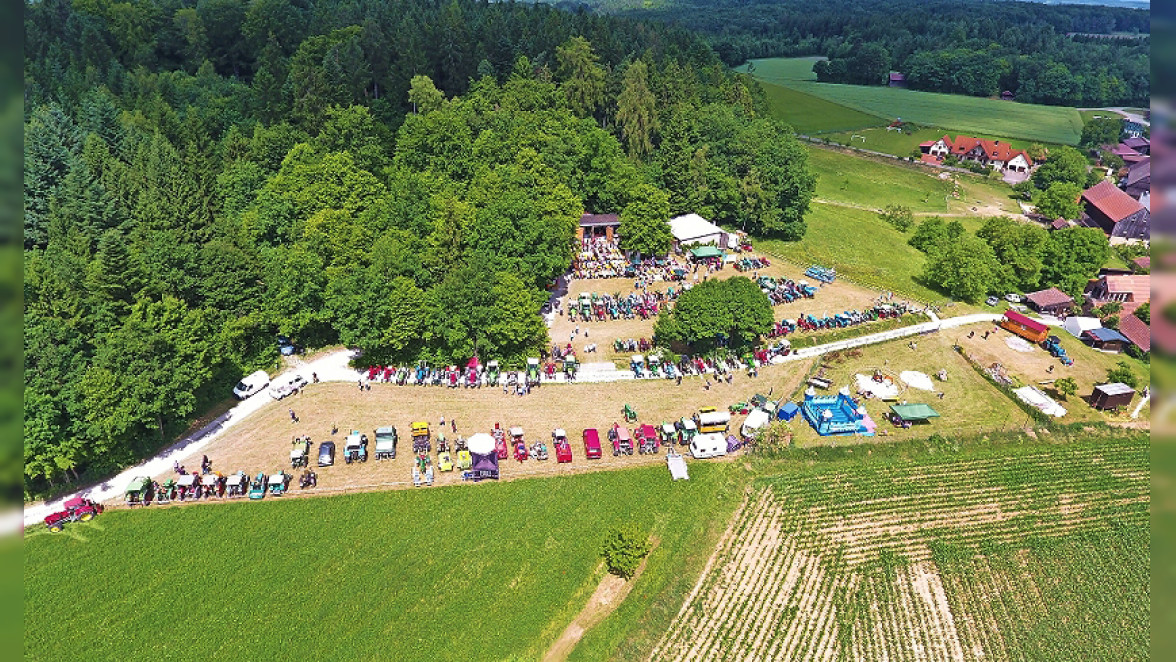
1139	144
1137	183
1107	396
1129	156
1077	325
1136	332
599	226
1119	215
1131	290
1051	301
694	229
897	79
1108	340
1059	224
991	153
1023	326
1133	129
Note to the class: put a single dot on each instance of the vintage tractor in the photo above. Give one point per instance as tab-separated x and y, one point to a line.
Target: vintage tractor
539	450
213	485
257	486
444	461
355	447
532	372
139	491
493	372
687	430
621	440
166	492
1053	345
422	470
637	365
386	439
300	453
278	483
571	367
77	509
308	479
235	484
188	487
654	365
629	413
646	440
668	434
420	437
518	443
464	460
402	375
499	441
563	450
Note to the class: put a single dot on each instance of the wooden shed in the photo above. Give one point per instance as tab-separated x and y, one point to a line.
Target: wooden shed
1023	326
1108	340
1107	396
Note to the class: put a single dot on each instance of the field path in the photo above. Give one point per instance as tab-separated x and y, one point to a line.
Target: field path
609	594
334	367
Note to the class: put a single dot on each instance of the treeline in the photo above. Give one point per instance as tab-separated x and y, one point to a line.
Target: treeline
960	46
184	206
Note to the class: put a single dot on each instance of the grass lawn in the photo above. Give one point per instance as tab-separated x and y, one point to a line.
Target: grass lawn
490	571
1049	124
863	248
809	114
970	404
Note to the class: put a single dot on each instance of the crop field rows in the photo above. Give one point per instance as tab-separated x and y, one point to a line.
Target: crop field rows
1040	555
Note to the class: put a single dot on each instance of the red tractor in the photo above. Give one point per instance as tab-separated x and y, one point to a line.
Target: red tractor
563	450
520	446
646	439
77	509
499	441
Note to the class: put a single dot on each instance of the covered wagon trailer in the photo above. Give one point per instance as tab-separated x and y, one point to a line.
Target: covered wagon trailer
1022	325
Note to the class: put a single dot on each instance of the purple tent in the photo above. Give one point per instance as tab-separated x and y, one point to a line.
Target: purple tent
483	458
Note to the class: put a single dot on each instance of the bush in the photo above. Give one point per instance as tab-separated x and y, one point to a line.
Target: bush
624	547
898	216
1122	373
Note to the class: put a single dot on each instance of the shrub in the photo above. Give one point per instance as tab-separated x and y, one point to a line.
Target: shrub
1066	386
898	216
1122	373
624	547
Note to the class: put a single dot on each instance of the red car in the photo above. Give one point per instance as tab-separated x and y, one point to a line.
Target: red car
592	444
563	450
77	509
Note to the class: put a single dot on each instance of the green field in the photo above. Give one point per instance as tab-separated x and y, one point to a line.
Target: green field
1048	124
810	114
485	572
1027	552
864	182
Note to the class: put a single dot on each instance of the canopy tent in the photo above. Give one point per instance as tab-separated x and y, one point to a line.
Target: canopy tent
755	420
704	252
483	457
480	443
914	412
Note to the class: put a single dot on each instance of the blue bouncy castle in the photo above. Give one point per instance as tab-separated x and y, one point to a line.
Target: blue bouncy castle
836	414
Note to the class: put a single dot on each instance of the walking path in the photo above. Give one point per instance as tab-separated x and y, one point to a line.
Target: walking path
333	367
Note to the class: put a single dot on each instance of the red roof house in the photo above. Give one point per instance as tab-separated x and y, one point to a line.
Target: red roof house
1136	331
1119	215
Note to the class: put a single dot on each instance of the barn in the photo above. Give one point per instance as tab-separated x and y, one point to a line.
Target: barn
1108	340
1107	396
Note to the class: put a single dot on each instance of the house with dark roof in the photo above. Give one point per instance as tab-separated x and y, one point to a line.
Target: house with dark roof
1051	301
897	79
1120	216
1139	144
599	226
1136	332
1137	183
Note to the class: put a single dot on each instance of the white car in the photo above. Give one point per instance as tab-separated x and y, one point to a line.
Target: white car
287	387
1014	298
252	384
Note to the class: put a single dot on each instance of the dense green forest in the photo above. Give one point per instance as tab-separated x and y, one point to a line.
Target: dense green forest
403	177
976	47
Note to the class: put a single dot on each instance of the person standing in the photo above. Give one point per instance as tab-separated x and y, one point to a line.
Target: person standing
293	418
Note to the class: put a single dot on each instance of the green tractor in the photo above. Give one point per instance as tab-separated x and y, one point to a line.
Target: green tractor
257	487
166	491
532	372
139	491
586	306
493	371
571	367
629	413
300	453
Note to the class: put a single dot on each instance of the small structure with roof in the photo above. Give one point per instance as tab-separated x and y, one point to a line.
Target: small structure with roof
1006	95
1109	396
1136	331
1051	301
914	412
692	229
1108	340
599	226
897	79
1123	218
1059	223
1024	326
1076	325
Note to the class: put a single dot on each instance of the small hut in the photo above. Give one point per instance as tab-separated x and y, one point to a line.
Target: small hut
1022	325
1108	396
1108	340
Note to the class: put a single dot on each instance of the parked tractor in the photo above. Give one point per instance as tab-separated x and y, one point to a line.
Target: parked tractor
235	484
300	453
621	440
355	447
278	483
493	372
444	461
386	440
629	413
687	430
188	487
646	439
464	459
518	443
77	509
1053	345
668	434
532	372
654	366
571	367
637	365
308	479
539	450
166	492
420	438
499	442
257	486
422	470
139	491
563	450
213	485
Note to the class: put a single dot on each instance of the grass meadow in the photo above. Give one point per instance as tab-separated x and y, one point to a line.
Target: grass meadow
485	572
965	114
810	114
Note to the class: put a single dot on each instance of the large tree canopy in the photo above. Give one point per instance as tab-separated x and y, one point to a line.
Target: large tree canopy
716	312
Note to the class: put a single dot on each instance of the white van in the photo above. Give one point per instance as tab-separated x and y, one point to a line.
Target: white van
252	384
703	446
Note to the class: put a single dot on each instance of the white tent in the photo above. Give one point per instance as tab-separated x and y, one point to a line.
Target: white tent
480	443
755	420
1077	325
694	229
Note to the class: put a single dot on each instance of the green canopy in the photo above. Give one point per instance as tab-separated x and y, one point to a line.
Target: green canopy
703	252
914	412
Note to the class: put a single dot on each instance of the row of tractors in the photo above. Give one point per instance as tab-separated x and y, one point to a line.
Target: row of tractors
476	375
785	290
593	307
837	321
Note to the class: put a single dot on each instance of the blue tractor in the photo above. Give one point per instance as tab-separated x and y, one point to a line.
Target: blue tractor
1053	345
